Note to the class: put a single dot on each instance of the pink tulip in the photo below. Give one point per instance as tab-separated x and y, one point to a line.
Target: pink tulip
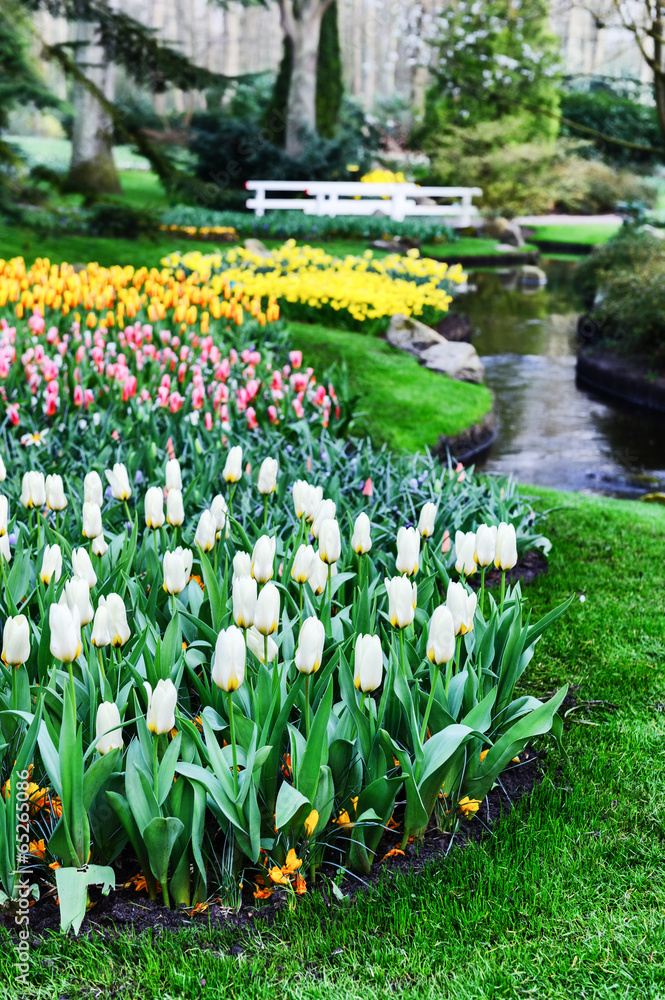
295	357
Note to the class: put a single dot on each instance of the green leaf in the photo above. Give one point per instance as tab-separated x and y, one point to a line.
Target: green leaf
290	803
160	835
72	885
316	750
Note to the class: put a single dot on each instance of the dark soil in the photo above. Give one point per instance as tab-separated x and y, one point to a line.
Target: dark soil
125	909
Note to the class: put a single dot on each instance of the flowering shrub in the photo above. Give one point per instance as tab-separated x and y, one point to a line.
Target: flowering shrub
294	670
381	176
117	339
360	292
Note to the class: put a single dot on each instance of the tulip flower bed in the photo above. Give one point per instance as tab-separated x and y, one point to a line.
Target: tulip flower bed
244	692
118	341
357	292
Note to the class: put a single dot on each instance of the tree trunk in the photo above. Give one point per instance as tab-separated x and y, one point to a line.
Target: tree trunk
659	74
304	32
92	170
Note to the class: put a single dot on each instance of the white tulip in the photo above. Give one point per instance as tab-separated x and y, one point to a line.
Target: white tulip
206	531
301	490
51	564
99	546
220	511
368	672
361	541
175	510
82	566
228	671
262	558
4	514
55	493
118	627
77	595
242	564
5	551
426	520
303	564
161	707
3	470
177	570
101	636
330	543
65	628
256	645
319	577
16	641
485	544
266	613
506	547
92	520
441	637
93	491
462	607
233	467
244	600
108	717
465	552
118	480
33	489
173	475
408	550
154	507
268	475
309	652
401	601
326	510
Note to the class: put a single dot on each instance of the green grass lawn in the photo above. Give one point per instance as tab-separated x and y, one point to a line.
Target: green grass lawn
399	402
590	233
565	901
81	249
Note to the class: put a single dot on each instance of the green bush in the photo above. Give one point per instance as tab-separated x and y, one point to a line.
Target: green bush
617	116
623	284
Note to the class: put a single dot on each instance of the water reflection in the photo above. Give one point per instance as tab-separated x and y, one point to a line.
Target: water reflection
553	433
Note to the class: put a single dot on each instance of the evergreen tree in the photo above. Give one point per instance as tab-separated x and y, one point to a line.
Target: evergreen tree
329	85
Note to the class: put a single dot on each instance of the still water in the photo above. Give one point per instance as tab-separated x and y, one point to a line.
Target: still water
552	432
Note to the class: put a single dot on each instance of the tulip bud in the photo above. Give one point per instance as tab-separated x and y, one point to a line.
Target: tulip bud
228	671
310	646
462	607
93	491
173	475
408	550
108	717
441	638
361	541
506	547
465	551
118	480
233	467
5	551
256	645
326	510
4	514
51	564
175	511
300	489
161	707
268	475
244	600
99	546
319	577
82	567
16	641
55	493
177	570
77	595
242	564
101	635
445	544
3	470
33	489
306	499
266	613
303	564
330	543
220	511
368	663
262	558
485	544
65	627
154	507
310	823
426	520
401	598
92	520
206	531
118	627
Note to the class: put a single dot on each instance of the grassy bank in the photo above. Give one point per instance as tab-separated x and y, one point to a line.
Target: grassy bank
399	403
587	233
565	901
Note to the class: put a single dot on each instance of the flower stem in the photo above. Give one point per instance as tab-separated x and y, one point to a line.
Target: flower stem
423	730
401	651
265	509
503	586
265	650
482	590
232	727
330	588
307	706
155	763
301	598
154	535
